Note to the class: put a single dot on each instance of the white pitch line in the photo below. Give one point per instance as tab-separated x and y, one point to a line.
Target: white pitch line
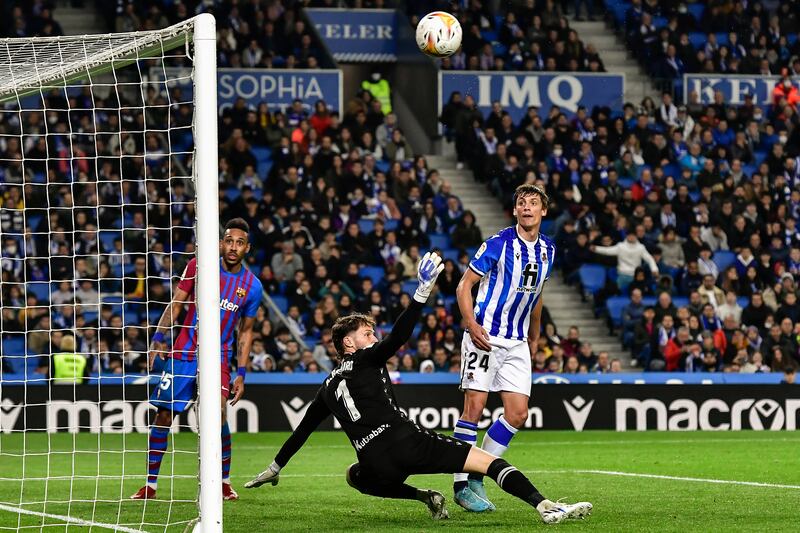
560	442
614	473
69	519
682	478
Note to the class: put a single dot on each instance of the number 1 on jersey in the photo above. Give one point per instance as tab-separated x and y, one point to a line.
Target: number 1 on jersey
343	392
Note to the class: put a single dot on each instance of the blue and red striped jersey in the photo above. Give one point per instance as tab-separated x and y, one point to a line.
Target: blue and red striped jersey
239	296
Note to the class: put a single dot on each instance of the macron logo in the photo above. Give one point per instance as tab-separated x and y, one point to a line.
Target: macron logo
295	411
578	411
227	305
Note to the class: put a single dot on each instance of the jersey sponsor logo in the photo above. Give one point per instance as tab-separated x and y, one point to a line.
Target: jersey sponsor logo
530	274
240	292
578	410
228	305
360	443
480	251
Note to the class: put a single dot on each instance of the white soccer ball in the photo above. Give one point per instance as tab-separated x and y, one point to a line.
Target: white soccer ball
439	34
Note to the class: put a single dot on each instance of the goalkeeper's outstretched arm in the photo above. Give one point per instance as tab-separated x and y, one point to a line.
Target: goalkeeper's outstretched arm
429	269
315	414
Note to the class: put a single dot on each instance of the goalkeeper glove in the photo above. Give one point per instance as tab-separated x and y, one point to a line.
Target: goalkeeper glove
270	475
429	269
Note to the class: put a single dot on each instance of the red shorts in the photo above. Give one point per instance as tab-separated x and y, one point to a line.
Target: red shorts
225	374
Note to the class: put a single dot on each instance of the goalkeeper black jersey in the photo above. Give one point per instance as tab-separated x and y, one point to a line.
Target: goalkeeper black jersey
359	394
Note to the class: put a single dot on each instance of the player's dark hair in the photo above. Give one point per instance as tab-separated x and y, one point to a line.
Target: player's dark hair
238	223
345	325
528	189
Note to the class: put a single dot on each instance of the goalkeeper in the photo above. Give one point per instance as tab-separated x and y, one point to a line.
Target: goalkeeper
389	446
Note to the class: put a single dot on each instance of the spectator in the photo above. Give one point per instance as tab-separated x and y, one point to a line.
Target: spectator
629	253
466	234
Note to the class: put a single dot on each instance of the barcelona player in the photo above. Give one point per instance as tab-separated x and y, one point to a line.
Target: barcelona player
240	296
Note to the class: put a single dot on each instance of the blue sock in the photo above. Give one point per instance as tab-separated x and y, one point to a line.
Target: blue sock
468	432
226	453
157	445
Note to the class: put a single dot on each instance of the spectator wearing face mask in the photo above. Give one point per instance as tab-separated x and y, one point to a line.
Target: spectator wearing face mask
785	90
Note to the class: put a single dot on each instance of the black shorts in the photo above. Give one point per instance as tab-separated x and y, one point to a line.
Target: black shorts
421	452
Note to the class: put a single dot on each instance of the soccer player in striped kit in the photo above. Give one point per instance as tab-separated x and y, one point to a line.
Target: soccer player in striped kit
240	296
503	326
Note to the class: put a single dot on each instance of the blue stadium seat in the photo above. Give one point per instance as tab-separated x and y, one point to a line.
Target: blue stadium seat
409	286
366	225
593	277
615	306
232	194
723	259
281	302
489	35
14	352
680	301
698	39
40	290
392	224
649	301
697	9
375	273
107	238
451	253
440	240
449	302
743	301
263	168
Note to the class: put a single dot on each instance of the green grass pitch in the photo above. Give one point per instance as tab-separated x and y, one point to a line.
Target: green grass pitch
313	496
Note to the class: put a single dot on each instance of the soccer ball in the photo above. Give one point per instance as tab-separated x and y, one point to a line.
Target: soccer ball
439	34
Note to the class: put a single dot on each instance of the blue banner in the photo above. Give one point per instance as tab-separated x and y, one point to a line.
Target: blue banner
517	92
733	88
357	35
278	88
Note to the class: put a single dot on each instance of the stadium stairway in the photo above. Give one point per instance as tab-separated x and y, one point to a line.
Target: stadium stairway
562	301
488	213
566	309
616	60
79	20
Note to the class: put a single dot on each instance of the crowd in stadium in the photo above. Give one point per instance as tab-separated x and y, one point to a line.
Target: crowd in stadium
526	36
339	205
671	38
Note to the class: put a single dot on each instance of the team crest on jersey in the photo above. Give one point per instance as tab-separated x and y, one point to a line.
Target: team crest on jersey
480	251
544	257
240	292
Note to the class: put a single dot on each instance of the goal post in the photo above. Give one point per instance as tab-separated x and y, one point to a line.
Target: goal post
205	124
103	163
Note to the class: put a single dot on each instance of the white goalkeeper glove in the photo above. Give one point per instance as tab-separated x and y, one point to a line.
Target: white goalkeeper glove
270	475
429	269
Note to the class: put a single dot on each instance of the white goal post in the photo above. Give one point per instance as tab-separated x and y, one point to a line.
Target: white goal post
88	69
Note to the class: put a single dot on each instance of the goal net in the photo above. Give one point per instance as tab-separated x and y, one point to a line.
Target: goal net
107	154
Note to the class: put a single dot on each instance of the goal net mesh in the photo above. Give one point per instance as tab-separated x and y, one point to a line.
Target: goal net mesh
98	223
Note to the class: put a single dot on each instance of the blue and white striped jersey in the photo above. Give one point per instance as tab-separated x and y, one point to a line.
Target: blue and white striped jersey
513	273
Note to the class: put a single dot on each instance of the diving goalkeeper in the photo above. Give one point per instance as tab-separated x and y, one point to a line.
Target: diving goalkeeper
389	446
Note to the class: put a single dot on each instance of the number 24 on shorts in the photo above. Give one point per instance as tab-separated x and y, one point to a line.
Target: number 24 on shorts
472	359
